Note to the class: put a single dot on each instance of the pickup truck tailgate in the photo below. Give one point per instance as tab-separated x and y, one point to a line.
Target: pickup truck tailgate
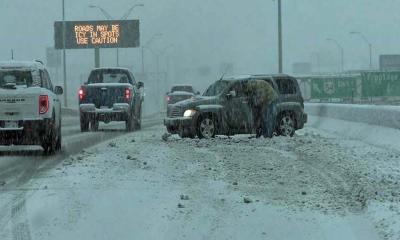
15	106
105	95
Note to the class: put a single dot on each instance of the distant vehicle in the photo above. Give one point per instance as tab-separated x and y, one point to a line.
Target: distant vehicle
110	94
180	93
30	110
223	109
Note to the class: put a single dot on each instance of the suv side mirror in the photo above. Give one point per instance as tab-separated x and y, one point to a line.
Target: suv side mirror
58	90
231	94
140	85
197	93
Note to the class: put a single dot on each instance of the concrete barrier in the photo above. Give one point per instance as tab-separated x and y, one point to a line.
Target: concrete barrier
386	116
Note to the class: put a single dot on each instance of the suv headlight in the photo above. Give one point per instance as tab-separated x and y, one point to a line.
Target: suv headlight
189	113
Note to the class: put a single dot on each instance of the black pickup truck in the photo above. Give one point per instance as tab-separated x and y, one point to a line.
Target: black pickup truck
110	94
223	109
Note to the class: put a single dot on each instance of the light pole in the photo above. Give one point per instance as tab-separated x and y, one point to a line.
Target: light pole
369	45
64	57
280	44
341	52
157	35
124	17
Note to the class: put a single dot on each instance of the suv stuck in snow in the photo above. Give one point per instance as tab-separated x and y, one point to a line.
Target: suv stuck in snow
224	109
111	94
30	110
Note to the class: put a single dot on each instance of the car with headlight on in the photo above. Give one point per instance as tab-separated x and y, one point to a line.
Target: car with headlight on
30	108
223	109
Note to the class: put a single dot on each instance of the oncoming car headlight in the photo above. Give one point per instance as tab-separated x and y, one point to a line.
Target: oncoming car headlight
189	113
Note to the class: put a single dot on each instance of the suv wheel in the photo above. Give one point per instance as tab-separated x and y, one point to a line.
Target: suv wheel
59	138
49	140
94	125
84	123
138	120
206	127
286	125
129	123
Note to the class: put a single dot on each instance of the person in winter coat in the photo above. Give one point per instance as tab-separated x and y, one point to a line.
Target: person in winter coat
262	101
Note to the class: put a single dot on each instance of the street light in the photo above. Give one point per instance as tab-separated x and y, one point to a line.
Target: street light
341	52
369	45
64	56
124	17
280	41
109	17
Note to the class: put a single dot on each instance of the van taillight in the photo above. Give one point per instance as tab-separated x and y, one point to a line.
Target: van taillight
127	94
80	93
43	104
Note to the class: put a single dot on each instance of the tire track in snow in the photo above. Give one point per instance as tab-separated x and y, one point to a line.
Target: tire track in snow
16	208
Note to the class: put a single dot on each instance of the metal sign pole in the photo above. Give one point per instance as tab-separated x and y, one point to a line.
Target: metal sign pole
97	57
64	57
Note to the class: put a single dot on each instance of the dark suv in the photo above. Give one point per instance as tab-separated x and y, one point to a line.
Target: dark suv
224	110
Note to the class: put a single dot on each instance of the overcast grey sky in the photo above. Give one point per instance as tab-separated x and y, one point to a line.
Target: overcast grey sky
209	32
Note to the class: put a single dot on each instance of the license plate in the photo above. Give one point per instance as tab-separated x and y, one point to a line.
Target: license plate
11	124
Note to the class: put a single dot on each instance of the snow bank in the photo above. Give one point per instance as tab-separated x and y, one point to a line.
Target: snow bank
386	116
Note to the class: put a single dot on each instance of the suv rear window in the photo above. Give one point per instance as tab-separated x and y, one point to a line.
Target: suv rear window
286	86
14	77
109	76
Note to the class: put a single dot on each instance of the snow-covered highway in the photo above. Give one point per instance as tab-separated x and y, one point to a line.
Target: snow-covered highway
320	184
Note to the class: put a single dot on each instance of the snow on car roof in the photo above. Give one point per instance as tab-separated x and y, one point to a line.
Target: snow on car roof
112	68
182	85
248	76
179	93
21	64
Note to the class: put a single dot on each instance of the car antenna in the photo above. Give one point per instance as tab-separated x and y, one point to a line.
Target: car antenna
223	75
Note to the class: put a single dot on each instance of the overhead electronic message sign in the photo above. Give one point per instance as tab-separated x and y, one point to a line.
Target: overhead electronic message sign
97	34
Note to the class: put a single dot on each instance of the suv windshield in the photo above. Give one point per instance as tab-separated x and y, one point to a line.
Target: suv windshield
182	89
15	78
109	76
217	88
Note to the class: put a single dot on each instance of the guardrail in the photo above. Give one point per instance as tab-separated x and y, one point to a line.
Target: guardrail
387	116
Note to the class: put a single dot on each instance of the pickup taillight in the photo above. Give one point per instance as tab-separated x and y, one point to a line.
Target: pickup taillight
128	93
80	94
43	104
